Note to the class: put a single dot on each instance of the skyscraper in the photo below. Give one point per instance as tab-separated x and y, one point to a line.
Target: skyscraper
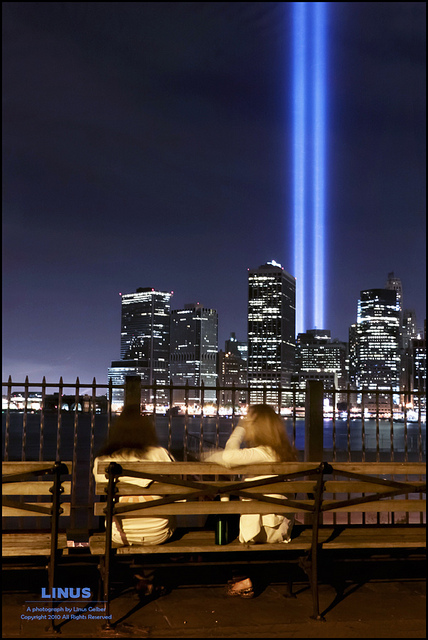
393	283
232	371
271	328
352	349
377	340
419	356
408	327
408	334
194	346
320	358
145	340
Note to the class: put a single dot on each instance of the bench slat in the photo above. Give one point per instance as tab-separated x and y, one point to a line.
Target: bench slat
208	468
30	544
293	486
242	507
196	541
382	506
197	468
203	508
381	468
32	488
330	538
15	512
10	468
159	488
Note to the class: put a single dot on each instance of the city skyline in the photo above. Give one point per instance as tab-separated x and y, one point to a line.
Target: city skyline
149	145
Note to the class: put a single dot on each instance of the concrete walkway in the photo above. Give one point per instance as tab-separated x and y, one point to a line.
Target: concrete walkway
374	609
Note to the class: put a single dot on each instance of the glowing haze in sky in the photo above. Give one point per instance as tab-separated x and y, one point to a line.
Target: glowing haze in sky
309	52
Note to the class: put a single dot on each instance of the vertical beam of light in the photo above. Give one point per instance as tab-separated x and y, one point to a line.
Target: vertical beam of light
299	116
318	124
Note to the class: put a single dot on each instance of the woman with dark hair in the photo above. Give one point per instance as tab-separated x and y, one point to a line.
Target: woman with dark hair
133	438
263	432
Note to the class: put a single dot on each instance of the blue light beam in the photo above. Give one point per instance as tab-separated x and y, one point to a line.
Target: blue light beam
318	126
299	118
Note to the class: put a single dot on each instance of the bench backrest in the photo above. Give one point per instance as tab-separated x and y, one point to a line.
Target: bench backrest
186	488
24	483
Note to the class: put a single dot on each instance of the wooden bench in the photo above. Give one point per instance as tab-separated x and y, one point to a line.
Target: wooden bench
189	488
26	493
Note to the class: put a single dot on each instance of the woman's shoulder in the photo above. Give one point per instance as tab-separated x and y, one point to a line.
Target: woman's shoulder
267	452
158	454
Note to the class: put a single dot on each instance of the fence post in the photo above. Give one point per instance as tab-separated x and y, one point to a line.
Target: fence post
133	392
314	428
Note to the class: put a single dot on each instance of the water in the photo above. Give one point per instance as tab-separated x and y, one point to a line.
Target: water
347	445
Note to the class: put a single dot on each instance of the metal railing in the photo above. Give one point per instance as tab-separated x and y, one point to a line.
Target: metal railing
374	429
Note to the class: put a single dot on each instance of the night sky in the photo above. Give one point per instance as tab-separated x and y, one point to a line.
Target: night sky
148	144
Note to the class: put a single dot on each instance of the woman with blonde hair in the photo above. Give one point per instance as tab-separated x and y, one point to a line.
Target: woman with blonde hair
263	431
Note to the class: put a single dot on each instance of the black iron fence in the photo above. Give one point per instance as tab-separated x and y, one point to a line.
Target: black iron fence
70	421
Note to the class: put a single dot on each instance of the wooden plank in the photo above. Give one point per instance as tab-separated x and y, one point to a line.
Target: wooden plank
17	511
198	542
30	544
10	468
353	486
382	468
381	506
292	486
252	506
208	468
205	508
35	488
375	537
330	537
158	488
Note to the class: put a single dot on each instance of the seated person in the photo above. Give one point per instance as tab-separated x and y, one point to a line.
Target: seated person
132	438
263	431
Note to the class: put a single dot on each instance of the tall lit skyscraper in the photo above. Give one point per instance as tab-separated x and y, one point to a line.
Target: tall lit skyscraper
271	327
194	346
377	340
145	340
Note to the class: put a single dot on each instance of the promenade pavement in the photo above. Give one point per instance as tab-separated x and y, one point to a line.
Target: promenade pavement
386	607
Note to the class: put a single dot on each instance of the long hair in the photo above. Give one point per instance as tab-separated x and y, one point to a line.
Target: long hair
131	432
264	427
